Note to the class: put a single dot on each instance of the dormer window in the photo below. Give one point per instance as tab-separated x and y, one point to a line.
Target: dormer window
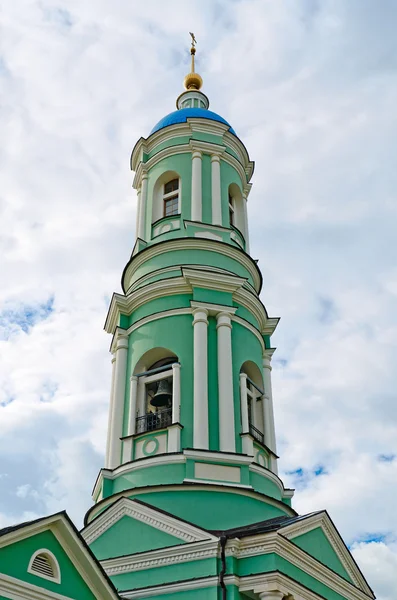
171	198
231	210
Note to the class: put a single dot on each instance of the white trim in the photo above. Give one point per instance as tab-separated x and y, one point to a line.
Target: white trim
145	514
193	244
161	557
16	589
55	564
94	512
219	482
82	560
218	457
181	586
255	468
323	521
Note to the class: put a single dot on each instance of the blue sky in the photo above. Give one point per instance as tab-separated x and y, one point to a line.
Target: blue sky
311	89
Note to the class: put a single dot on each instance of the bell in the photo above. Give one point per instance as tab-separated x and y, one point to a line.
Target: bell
163	395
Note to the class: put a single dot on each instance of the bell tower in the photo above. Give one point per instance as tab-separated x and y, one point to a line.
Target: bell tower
190	497
191	338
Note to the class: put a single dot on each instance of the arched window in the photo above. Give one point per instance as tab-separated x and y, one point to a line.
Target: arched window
155	391
236	208
231	210
254	394
171	198
44	564
166	200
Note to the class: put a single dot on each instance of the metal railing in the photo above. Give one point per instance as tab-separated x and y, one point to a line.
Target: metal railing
258	435
152	421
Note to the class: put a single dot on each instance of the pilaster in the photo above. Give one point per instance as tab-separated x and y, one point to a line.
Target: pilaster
200	378
142	207
268	413
116	426
216	189
196	186
227	441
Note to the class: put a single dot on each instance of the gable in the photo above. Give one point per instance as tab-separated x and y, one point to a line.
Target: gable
128	536
316	543
15	558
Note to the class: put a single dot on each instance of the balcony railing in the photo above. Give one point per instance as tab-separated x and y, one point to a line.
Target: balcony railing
153	421
258	435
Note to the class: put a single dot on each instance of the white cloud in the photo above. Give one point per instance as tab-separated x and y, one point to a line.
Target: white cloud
310	88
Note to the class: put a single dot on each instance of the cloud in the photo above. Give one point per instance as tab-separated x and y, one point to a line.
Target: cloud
310	88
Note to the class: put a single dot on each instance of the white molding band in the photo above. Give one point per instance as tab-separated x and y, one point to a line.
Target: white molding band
246	231
227	442
200	378
216	189
116	425
196	211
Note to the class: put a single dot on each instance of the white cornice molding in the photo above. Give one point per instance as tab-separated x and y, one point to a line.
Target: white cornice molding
205	279
159	558
259	470
221	457
323	521
276	581
181	586
145	514
194	244
16	589
206	147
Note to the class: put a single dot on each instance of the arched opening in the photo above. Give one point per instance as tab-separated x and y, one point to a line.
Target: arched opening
156	390
254	395
236	208
44	564
166	196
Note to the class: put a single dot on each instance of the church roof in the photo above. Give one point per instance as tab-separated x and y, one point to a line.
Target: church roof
181	116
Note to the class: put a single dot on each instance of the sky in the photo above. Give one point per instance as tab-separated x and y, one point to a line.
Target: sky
310	87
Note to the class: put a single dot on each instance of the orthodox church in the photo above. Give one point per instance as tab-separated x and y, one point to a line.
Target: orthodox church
189	504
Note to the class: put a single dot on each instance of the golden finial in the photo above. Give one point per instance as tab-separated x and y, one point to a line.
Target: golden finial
193	80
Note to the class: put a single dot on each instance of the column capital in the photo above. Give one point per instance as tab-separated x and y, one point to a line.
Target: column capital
175	366
271	595
197	154
266	359
144	175
122	341
243	376
216	157
223	319
200	316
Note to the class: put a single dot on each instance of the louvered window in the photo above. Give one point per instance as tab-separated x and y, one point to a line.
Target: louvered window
44	564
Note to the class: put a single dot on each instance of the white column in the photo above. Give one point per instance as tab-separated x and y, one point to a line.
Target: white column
225	383
196	186
111	403
216	189
200	378
245	217
133	404
176	392
142	208
138	211
268	414
244	403
118	401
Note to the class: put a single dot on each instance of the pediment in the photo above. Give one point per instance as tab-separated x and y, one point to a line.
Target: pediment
130	526
317	536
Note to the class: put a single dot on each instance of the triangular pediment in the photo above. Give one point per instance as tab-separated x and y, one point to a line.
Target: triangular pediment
74	569
317	536
130	526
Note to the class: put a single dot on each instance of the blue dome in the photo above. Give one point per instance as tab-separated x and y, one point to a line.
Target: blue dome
180	116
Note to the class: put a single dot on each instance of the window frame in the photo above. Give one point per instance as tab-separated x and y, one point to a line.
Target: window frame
53	561
174	194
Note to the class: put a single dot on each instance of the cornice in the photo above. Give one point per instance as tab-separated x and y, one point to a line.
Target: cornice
145	514
205	279
159	558
194	244
16	589
181	586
